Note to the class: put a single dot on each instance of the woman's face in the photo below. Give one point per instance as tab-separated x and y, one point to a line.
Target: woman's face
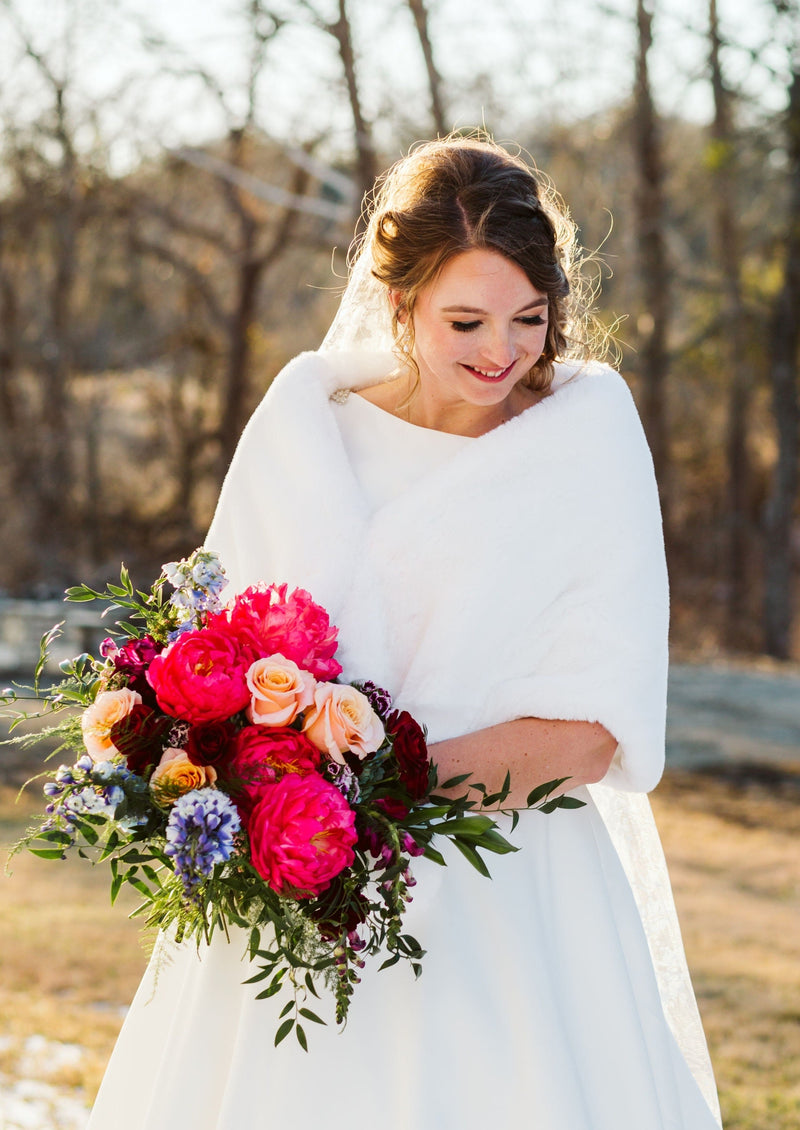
478	330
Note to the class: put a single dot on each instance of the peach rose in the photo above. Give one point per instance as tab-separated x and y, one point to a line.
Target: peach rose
342	719
279	690
175	775
109	707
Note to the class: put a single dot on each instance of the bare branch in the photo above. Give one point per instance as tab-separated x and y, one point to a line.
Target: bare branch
225	171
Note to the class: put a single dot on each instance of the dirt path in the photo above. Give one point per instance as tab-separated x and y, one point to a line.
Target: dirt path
723	714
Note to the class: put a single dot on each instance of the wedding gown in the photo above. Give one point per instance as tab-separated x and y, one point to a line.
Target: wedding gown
538	1006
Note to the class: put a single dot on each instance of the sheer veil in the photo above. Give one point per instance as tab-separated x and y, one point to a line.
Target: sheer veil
363	320
363	325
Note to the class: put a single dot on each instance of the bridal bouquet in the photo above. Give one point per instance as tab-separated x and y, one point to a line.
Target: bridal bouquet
226	773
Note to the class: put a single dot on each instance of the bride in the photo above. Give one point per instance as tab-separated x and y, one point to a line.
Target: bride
471	497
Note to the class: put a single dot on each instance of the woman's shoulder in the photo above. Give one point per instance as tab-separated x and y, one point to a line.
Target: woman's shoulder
590	376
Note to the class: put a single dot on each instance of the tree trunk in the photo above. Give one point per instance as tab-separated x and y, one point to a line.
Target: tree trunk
649	207
57	533
367	162
778	604
723	167
420	14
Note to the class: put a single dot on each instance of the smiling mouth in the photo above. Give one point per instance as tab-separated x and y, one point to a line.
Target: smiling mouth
494	376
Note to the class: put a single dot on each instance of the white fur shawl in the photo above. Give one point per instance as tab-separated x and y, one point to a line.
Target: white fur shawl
525	577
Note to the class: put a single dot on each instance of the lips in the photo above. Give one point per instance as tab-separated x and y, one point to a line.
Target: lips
490	376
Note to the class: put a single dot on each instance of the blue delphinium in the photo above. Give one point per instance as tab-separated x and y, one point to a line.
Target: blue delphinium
198	581
97	789
200	834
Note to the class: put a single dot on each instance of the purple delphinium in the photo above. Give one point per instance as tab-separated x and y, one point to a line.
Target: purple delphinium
200	834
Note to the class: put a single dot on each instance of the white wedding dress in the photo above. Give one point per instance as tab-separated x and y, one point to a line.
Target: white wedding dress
538	1006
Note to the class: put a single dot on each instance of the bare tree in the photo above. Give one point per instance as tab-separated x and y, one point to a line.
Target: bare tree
653	266
785	343
341	30
59	209
420	13
723	165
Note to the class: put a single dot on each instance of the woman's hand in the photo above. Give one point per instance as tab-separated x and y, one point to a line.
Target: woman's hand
532	750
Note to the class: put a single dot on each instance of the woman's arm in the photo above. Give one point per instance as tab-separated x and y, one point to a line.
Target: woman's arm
533	750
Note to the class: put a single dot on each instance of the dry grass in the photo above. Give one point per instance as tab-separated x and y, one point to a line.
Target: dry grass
732	848
64	975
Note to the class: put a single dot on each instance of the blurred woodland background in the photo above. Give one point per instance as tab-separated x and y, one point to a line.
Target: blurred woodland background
176	203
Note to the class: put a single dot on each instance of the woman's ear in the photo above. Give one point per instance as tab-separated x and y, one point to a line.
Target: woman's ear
398	305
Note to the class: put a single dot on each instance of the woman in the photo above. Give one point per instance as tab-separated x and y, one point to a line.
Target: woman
479	515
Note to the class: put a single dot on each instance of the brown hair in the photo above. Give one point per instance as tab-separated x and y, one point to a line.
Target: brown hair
458	194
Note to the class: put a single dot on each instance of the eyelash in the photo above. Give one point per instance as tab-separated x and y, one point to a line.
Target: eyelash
528	320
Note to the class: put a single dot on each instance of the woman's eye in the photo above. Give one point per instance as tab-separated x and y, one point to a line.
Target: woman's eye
533	320
465	327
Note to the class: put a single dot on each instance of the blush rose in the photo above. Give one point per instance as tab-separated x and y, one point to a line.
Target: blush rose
279	691
343	720
175	775
98	719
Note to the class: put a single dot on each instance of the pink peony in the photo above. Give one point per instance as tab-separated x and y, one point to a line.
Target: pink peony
261	754
301	835
292	625
202	676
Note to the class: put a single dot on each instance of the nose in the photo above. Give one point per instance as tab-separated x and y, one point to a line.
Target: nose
500	348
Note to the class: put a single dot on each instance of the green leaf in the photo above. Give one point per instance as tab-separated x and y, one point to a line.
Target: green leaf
284	1030
435	856
309	1015
311	986
287	1008
301	1037
79	593
570	802
499	797
87	831
260	976
140	886
471	826
270	991
55	836
390	961
453	782
541	791
494	841
468	851
47	853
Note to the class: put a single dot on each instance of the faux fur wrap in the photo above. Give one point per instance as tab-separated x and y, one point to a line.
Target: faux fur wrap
524	577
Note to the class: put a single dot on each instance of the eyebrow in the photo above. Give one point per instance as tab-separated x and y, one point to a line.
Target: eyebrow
475	310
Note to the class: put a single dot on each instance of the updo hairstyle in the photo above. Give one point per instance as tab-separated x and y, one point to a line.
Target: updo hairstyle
460	194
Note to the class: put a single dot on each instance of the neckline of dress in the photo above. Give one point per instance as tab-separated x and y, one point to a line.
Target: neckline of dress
421	429
398	420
